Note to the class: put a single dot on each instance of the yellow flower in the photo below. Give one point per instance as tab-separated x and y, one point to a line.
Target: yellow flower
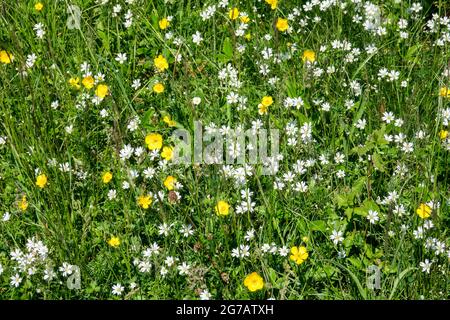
167	153
75	82
222	208
424	211
145	201
309	56
88	82
158	88
282	24
248	36
161	63
38	6
23	204
114	242
169	183
443	134
266	101
107	176
6	57
164	23
273	4
101	91
299	254
244	19
444	92
169	121
254	282
234	13
41	181
262	109
154	141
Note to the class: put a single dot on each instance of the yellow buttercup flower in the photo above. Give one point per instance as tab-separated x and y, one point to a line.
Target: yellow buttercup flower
154	141
158	88
41	181
309	56
169	121
161	63
114	242
262	109
443	134
145	201
282	24
222	208
38	6
254	282
6	57
244	19
444	92
169	183
75	82
273	4
164	23
424	211
167	153
23	204
88	82
101	91
299	254
233	13
107	176
267	101
248	36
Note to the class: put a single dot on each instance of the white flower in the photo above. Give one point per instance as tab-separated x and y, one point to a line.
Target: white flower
117	289
112	194
426	266
250	235
372	216
69	129
121	57
197	38
283	251
136	84
163	271
126	152
184	268
49	274
337	236
196	101
66	269
388	117
407	147
340	174
16	280
144	266
339	158
205	295
186	231
6	216
361	124
164	229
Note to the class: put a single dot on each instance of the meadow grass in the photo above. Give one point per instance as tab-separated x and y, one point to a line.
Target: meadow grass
360	97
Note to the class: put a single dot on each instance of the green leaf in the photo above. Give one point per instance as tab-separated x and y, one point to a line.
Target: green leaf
318	225
343	199
227	48
378	162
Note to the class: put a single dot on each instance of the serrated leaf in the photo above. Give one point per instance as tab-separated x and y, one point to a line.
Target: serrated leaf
378	162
